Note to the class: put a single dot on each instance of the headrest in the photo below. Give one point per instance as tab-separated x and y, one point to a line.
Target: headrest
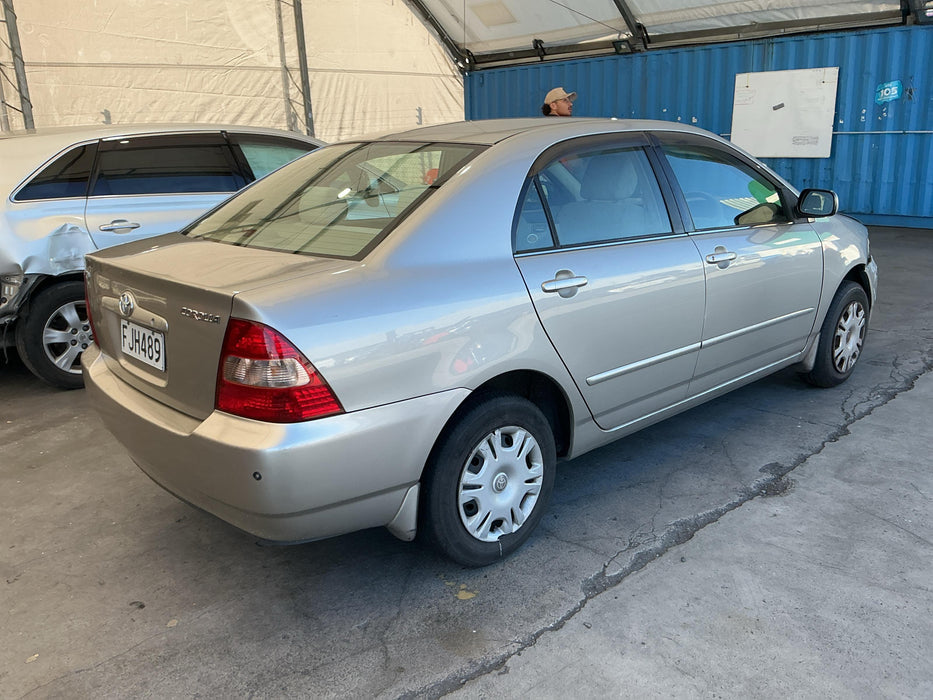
609	177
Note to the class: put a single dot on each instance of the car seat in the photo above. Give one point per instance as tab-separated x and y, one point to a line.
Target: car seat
607	209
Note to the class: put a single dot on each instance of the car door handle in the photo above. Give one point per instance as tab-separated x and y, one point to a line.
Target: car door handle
119	225
565	283
720	257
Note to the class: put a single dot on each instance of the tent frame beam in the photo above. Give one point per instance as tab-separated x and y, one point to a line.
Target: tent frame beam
639	40
540	52
918	9
462	58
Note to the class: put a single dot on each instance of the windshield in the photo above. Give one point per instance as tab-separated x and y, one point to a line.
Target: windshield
338	201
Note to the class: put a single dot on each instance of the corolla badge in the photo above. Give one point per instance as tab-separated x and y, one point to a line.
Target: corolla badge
127	304
200	315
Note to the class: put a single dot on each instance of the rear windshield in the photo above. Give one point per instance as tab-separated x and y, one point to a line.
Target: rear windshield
338	201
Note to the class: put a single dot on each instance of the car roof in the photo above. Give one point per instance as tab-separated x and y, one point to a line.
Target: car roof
71	134
491	131
23	152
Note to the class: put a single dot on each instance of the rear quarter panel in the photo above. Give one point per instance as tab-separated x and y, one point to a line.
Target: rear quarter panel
380	336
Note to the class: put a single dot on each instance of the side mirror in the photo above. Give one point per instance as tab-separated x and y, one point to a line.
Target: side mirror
817	203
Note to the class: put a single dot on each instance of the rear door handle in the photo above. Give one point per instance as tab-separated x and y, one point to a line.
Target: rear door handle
564	283
715	258
119	225
720	257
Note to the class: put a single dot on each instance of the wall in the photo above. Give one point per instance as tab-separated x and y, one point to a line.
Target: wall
882	154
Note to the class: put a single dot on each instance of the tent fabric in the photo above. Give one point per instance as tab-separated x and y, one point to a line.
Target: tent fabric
481	27
373	66
662	17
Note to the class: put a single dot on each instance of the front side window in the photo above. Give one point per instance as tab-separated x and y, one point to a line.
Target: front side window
177	164
66	176
721	191
338	201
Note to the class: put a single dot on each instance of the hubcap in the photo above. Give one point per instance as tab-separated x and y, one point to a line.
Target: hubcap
66	335
850	332
500	483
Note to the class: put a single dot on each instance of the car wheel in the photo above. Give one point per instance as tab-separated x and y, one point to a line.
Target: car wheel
488	481
841	337
51	338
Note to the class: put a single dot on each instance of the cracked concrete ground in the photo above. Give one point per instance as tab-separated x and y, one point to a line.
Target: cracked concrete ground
825	590
776	541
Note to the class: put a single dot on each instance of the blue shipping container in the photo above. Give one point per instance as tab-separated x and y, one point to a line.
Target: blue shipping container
881	162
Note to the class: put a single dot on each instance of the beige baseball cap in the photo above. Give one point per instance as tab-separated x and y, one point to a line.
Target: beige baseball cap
559	93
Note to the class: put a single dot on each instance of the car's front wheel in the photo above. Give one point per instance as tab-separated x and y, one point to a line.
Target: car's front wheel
54	333
841	337
489	480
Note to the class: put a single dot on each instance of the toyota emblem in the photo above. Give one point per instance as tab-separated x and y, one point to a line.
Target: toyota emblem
127	304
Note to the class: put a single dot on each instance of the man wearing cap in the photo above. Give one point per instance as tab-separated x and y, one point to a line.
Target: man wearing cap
558	103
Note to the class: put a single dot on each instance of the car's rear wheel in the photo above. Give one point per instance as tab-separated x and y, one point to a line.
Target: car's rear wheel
52	336
488	481
841	337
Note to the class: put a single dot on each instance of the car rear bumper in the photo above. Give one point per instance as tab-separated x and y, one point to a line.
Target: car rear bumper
280	482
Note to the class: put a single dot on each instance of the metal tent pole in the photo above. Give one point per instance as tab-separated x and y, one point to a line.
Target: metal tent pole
303	69
19	68
4	115
290	121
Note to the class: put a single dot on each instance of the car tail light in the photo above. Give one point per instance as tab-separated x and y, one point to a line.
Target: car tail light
263	376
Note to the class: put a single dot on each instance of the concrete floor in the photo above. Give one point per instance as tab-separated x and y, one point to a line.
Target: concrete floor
775	542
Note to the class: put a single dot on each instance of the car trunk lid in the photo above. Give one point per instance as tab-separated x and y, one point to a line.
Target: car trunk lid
160	311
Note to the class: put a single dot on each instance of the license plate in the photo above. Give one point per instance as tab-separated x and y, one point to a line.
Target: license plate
143	344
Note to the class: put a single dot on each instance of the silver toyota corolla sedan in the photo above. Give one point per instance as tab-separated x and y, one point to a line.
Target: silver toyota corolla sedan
410	331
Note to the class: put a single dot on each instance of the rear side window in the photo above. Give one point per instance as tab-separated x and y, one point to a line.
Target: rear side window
532	229
593	196
264	154
173	164
67	176
338	201
721	191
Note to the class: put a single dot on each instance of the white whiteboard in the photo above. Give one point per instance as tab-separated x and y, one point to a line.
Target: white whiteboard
785	114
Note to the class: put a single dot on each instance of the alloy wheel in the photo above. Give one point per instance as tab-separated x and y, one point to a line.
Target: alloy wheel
67	333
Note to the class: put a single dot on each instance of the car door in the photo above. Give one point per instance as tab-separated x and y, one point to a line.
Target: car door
618	289
50	206
149	185
763	269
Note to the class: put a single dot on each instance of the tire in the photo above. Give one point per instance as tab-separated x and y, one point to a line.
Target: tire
841	337
488	481
54	333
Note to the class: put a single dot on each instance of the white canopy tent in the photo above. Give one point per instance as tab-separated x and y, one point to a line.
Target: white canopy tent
359	66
